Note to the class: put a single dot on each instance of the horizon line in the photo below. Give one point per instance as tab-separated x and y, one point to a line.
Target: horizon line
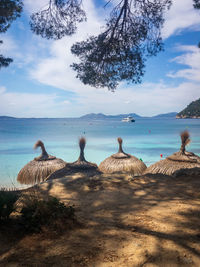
125	114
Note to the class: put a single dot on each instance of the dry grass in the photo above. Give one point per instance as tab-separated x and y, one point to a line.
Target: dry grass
181	162
175	168
122	163
79	166
129	164
37	171
40	168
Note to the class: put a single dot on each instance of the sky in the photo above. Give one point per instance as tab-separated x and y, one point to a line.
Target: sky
40	82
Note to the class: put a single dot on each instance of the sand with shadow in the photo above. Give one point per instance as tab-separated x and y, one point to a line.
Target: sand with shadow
124	221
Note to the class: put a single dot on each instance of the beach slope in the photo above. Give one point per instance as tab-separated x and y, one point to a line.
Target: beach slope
124	221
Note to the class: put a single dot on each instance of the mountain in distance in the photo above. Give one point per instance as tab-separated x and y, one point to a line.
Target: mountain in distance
101	116
166	115
94	116
192	111
7	118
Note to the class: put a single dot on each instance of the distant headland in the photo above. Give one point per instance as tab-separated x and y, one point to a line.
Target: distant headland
192	111
101	116
121	116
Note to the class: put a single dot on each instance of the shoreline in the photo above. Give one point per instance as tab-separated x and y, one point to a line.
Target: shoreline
147	139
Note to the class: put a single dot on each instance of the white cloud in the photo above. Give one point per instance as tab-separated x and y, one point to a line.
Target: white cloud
55	70
146	99
23	51
190	58
33	6
9	47
181	16
31	105
52	68
67	102
2	89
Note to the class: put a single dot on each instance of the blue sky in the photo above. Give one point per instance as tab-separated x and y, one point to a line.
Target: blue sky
40	83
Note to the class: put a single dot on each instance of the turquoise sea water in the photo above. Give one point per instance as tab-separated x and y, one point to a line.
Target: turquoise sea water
145	139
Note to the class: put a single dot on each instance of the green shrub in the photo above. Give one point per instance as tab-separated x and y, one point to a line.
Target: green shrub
7	201
50	212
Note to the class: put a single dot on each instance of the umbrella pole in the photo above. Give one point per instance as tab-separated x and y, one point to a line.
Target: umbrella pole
44	153
82	143
119	139
185	140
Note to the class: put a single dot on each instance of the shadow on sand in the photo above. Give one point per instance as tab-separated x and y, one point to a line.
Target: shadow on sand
143	221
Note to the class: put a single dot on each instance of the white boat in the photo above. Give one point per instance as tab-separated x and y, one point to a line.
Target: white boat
128	119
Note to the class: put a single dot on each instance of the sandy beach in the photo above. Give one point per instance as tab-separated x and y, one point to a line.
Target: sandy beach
124	221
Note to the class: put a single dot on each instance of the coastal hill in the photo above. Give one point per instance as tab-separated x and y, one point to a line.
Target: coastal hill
101	116
192	111
166	115
6	118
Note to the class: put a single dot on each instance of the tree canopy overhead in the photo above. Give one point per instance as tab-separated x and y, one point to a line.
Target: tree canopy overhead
197	4
58	19
9	11
132	34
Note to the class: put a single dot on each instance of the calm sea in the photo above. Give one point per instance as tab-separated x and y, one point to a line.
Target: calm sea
146	139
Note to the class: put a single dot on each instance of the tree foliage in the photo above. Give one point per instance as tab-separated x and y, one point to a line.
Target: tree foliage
4	62
192	110
132	33
197	4
9	11
58	19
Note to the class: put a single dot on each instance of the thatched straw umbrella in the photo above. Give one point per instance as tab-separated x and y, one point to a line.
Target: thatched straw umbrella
122	162
181	162
37	170
81	165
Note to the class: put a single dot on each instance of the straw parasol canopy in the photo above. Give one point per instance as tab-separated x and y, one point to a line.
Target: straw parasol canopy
81	165
37	170
122	162
181	162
